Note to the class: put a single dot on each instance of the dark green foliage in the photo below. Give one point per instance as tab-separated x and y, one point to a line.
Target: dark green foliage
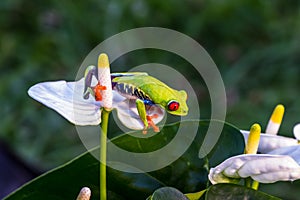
188	173
168	193
236	192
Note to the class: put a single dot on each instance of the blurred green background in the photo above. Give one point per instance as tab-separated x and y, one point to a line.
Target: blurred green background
255	45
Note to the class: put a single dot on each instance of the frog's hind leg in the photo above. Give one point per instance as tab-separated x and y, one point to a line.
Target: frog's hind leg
151	123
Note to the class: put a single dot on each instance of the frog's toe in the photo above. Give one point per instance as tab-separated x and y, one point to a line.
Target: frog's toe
151	123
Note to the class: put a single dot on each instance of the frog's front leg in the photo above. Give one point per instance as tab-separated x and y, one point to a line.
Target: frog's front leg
147	120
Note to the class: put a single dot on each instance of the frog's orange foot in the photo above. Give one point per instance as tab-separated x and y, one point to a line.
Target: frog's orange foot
97	90
151	123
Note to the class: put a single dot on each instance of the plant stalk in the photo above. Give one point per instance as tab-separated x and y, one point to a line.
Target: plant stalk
251	148
103	151
255	185
248	182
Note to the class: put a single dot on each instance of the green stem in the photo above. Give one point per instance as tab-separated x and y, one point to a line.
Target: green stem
248	182
255	185
103	150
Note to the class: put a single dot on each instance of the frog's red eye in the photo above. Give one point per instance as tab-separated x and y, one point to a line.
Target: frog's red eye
173	105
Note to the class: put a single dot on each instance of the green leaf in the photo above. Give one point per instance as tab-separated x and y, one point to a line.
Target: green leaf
232	191
66	181
282	189
168	193
196	195
188	173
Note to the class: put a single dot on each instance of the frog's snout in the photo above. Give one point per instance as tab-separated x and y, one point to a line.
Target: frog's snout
184	112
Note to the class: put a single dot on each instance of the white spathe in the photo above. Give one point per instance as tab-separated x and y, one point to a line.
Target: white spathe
292	151
60	96
270	142
260	167
296	131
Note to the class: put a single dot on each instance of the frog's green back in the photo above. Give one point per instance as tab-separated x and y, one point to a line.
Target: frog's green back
158	92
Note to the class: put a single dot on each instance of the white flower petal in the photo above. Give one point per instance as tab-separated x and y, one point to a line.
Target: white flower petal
260	167
296	131
60	96
292	151
283	175
269	142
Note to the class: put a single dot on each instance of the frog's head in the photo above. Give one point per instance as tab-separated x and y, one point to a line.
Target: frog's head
178	106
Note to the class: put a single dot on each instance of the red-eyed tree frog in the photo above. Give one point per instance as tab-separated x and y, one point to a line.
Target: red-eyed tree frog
145	90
